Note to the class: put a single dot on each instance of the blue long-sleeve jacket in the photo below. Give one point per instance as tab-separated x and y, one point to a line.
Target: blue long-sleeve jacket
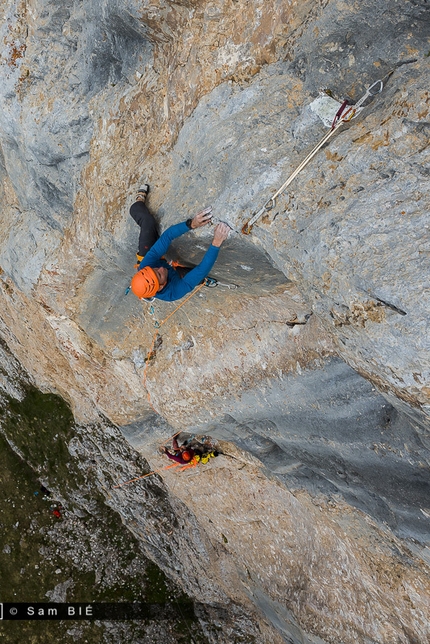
176	286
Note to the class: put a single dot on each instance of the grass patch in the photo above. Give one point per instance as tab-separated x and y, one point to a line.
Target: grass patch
92	553
41	426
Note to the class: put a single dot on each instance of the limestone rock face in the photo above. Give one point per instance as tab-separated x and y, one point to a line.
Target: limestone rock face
217	103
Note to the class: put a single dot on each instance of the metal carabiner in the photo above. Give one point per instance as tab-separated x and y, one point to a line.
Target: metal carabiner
369	91
210	282
270	204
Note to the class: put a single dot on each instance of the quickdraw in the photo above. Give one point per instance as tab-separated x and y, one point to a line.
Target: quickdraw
211	282
342	116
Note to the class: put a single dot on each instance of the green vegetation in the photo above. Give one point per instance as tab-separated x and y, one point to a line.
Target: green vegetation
24	516
79	556
41	427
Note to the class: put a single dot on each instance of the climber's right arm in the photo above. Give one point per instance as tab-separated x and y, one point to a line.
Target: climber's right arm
162	244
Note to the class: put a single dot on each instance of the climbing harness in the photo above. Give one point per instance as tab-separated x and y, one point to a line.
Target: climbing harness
344	114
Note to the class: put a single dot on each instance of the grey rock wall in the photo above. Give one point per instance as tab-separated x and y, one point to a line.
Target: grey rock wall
353	230
55	60
216	104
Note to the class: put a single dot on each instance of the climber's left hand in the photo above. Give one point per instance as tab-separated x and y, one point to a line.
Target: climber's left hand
202	218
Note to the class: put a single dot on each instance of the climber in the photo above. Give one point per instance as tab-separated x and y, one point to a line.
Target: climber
200	449
157	278
180	453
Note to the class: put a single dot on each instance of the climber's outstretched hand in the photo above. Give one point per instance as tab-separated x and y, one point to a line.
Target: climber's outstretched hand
221	233
202	218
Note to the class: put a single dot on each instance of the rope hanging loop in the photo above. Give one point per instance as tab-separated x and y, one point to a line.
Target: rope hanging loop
345	113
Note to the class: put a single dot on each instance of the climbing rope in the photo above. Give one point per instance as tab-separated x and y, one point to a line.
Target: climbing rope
172	437
204	458
144	476
342	116
158	325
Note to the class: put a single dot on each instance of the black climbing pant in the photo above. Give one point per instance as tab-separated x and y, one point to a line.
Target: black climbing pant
148	227
149	233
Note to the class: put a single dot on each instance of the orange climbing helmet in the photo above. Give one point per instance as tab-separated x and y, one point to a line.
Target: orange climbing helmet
145	283
186	455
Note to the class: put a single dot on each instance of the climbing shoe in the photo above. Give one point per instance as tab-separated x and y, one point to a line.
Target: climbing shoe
142	193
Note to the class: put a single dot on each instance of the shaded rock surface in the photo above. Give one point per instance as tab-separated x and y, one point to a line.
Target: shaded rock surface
299	547
91	552
214	103
353	232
